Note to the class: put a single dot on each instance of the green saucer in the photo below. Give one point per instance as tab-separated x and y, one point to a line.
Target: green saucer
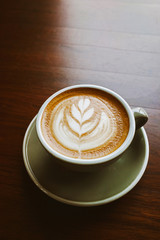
85	189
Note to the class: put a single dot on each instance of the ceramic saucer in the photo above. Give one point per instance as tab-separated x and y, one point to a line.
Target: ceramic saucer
85	189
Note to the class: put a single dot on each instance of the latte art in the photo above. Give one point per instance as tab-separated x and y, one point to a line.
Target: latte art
83	125
79	127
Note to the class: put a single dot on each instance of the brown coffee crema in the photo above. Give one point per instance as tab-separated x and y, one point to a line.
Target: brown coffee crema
84	123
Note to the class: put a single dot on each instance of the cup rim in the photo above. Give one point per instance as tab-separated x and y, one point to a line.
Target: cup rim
77	161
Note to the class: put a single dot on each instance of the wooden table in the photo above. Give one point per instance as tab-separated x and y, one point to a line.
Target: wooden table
51	44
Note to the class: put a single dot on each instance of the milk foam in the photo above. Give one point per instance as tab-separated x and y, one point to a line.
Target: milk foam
82	125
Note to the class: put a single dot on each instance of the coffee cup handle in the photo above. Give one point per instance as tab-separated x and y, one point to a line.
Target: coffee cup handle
141	117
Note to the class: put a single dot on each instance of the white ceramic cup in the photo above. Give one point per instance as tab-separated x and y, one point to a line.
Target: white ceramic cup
137	118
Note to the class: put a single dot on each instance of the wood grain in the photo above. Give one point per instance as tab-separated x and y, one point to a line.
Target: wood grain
48	45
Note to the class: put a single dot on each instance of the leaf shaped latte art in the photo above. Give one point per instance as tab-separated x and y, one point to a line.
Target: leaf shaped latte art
78	117
87	115
83	104
78	127
76	113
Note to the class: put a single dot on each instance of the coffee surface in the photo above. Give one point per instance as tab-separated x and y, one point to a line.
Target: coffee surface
85	123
